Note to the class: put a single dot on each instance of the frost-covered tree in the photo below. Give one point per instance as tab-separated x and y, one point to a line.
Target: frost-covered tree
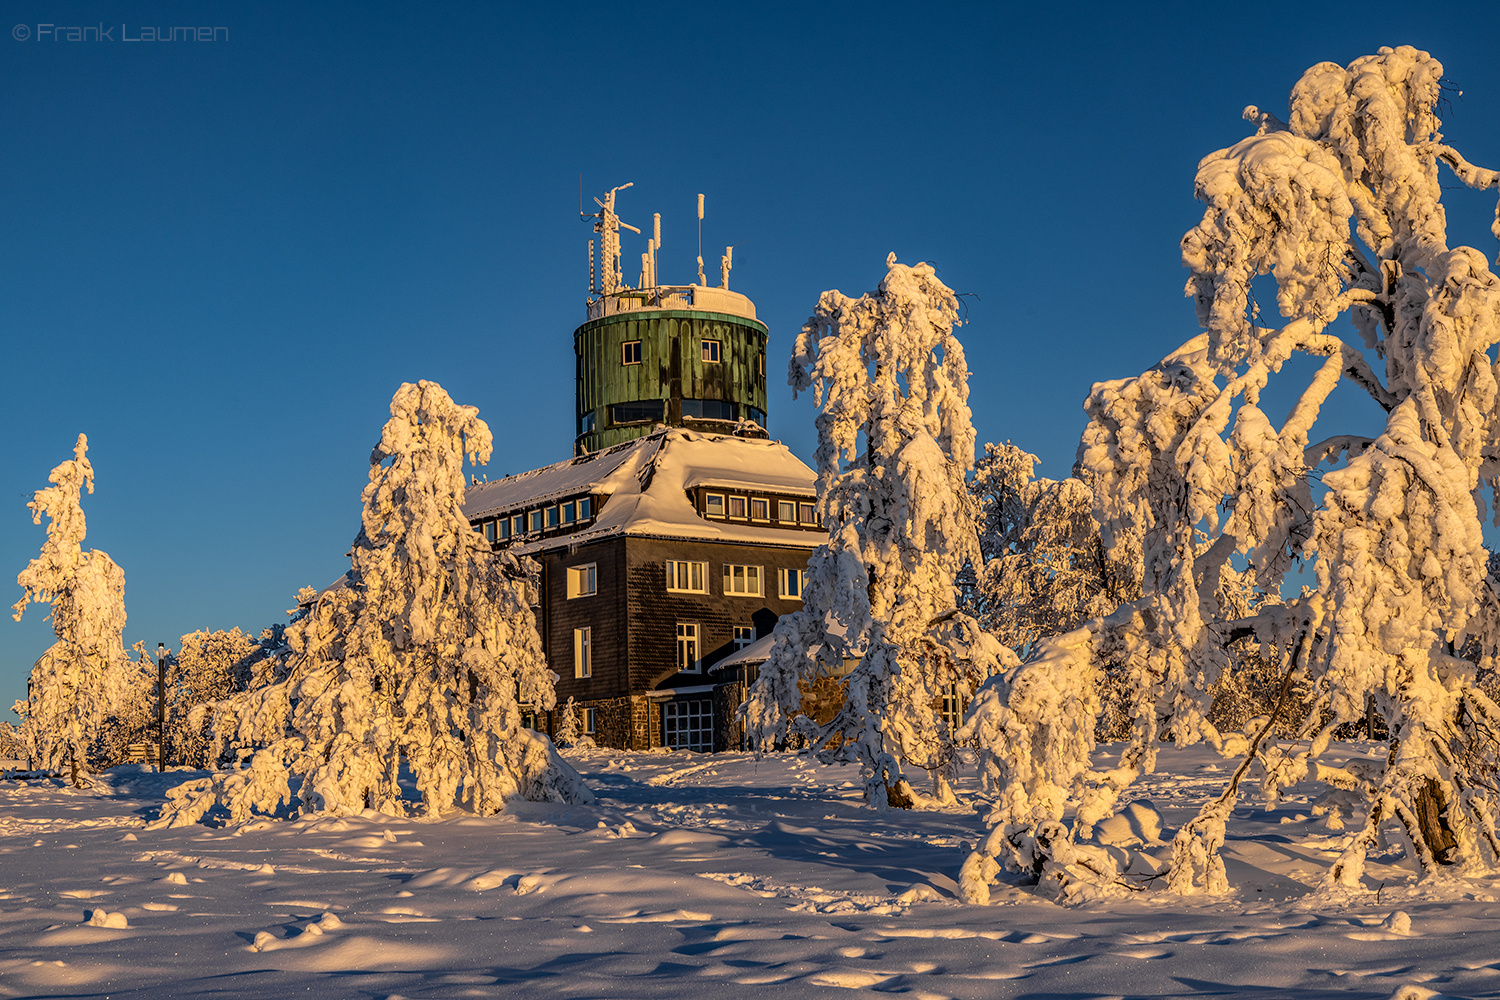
132	716
422	655
1341	207
72	689
1043	566
894	443
12	741
569	730
205	669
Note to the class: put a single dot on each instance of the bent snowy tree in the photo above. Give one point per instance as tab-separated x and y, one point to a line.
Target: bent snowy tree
424	655
1194	482
74	687
894	442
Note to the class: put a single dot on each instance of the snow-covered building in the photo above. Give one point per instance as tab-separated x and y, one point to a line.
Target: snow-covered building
659	557
679	533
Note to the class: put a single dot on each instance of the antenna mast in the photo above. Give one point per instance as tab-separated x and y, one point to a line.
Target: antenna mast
607	225
701	279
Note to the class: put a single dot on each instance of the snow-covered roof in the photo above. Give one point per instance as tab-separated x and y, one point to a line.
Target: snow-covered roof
758	651
647	482
586	474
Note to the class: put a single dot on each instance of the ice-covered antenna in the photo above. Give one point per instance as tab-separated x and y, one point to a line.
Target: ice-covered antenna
701	279
607	224
655	245
725	263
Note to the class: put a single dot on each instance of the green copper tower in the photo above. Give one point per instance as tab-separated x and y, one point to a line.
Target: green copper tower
678	355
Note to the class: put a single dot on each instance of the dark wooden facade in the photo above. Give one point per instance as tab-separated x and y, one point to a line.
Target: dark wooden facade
633	620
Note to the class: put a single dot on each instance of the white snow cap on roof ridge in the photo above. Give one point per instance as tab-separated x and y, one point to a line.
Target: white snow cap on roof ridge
647	482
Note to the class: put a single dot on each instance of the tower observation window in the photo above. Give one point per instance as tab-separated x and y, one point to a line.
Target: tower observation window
638	412
708	409
711	351
630	352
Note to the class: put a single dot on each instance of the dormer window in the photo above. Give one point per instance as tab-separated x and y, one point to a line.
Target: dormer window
737	507
713	504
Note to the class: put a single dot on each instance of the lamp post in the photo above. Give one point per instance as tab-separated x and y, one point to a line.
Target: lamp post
161	706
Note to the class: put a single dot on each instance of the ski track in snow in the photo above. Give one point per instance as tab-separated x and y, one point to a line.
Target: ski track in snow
689	874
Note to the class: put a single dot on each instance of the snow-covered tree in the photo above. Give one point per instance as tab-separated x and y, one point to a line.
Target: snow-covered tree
422	655
72	689
205	669
568	728
1043	566
894	444
132	716
1342	208
12	741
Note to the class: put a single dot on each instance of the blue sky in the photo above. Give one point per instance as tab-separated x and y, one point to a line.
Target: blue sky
220	259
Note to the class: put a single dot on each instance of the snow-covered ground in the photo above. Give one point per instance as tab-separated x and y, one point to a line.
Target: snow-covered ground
691	874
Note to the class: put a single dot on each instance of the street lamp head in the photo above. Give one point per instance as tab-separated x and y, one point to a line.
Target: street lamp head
161	651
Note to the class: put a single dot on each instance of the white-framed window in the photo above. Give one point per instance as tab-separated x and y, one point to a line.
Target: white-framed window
713	504
504	526
630	352
744	635
569	513
688	658
791	582
806	514
760	510
518	524
489	531
585	508
688	725
583	652
687	577
552	517
583	581
742	581
536	520
590	720
952	711
786	511
711	351
737	507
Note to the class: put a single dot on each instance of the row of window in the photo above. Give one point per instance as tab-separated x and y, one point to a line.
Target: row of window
533	521
689	651
689	577
710	351
727	505
648	411
685	576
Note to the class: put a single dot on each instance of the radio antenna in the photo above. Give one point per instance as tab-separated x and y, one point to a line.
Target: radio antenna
701	279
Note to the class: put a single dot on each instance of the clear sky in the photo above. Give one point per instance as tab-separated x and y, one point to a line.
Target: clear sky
219	259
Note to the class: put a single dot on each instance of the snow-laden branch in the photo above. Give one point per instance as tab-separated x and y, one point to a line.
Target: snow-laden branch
1188	472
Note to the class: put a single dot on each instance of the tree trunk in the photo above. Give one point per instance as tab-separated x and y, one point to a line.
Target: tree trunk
1433	823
